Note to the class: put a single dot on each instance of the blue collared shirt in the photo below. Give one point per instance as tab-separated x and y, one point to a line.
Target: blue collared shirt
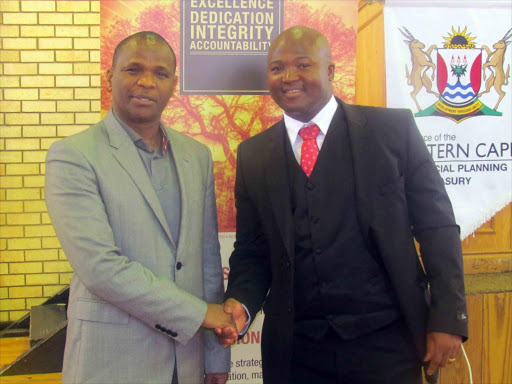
161	170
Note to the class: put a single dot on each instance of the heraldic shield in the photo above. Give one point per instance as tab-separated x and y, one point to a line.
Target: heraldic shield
459	74
458	77
458	71
458	68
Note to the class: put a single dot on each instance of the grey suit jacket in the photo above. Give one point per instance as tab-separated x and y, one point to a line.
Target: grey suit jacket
132	313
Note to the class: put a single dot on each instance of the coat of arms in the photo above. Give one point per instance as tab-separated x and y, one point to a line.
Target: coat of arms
456	79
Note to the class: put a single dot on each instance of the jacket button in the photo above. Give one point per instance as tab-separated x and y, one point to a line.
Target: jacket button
173	334
158	326
290	309
179	265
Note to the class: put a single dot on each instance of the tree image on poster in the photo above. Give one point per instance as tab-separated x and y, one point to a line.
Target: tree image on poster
223	121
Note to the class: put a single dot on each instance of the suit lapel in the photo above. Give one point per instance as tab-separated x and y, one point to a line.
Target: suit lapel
363	148
127	155
187	180
277	185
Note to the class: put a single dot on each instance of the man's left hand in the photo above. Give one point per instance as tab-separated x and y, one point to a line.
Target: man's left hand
442	348
216	378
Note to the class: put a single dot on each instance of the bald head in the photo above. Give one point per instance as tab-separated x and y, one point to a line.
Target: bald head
144	37
300	72
300	35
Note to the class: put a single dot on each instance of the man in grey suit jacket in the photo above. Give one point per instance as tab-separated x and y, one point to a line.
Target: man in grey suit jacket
133	205
328	249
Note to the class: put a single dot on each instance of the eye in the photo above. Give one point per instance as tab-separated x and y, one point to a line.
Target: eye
162	75
132	70
275	68
304	65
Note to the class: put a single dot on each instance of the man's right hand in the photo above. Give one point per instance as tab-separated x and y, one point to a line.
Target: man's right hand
223	324
236	308
237	311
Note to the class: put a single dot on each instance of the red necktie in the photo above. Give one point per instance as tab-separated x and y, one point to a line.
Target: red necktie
309	151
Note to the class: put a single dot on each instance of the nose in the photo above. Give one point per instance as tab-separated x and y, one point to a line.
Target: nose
290	74
146	80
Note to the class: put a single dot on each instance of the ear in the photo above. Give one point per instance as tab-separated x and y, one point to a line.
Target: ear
330	71
109	79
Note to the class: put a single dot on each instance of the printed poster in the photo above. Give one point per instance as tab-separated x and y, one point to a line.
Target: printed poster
222	97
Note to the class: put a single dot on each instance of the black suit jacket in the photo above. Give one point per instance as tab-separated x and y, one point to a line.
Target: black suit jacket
399	195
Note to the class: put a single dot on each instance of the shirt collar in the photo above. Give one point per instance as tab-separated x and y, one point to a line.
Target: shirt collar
137	139
165	140
322	119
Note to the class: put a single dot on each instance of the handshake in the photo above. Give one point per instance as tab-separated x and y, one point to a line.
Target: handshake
227	320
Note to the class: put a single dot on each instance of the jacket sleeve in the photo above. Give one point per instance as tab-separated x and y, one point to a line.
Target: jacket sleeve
217	358
249	275
434	227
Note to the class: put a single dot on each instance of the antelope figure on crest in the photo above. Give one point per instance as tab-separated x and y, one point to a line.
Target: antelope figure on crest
421	63
494	63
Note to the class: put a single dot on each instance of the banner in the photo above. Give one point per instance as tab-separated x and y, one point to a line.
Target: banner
229	36
220	48
449	62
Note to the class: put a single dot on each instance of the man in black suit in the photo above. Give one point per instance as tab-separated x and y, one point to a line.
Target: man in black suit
329	202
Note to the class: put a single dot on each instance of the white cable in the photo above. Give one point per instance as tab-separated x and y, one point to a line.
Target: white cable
469	365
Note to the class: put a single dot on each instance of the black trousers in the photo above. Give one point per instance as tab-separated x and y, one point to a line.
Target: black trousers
385	356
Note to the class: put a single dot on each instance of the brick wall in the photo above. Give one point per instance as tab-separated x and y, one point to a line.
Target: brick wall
49	88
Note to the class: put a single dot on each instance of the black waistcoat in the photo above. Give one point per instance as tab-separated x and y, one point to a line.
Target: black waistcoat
338	281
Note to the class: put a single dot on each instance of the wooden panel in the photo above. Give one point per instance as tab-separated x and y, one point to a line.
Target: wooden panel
370	73
487	263
489	250
488	238
46	378
497	338
11	348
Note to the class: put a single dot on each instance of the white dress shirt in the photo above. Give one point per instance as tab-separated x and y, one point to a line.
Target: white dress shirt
322	119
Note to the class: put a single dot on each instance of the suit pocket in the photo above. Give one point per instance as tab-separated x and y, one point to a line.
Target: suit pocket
101	312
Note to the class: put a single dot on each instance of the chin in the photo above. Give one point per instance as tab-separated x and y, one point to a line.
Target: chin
293	108
143	117
288	104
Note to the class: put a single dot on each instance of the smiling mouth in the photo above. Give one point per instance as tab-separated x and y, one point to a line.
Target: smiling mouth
292	91
141	98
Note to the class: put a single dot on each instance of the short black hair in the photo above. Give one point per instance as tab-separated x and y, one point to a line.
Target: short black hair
142	36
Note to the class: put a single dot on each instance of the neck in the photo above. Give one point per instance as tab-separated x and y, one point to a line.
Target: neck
150	134
148	131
